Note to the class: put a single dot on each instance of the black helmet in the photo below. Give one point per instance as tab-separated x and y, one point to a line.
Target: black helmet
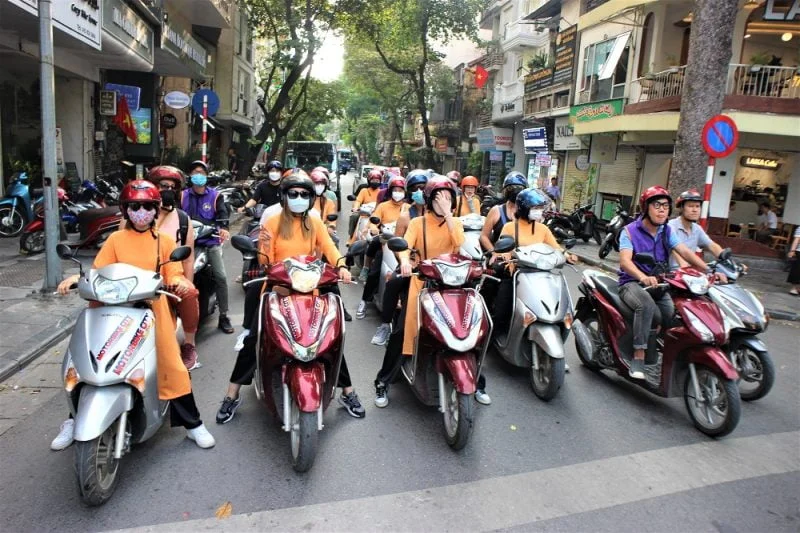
274	164
296	180
692	195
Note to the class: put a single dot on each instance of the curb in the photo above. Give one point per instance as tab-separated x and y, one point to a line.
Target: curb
16	360
777	314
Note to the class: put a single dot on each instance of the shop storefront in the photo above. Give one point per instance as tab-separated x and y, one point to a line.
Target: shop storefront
497	143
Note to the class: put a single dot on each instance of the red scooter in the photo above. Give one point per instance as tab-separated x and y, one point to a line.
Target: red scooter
686	360
300	347
454	332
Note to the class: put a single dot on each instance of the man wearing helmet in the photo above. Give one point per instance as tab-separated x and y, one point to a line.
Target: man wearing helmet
468	202
649	234
436	232
688	231
141	245
268	192
513	184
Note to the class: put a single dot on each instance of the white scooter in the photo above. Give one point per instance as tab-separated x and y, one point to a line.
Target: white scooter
110	371
473	224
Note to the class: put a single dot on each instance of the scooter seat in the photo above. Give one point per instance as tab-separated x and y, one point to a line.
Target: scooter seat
609	288
84	217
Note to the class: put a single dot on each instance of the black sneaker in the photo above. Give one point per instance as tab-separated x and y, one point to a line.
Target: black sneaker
352	404
347	317
228	409
225	324
381	396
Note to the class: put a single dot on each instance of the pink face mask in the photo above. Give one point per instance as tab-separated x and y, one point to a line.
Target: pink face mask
142	217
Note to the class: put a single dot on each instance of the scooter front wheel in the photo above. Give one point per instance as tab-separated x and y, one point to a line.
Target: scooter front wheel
96	468
12	221
458	416
716	413
304	438
605	247
32	243
546	381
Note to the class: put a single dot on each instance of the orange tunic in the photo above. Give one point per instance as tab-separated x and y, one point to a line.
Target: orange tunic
142	250
527	235
439	241
278	249
388	211
326	207
462	206
366	196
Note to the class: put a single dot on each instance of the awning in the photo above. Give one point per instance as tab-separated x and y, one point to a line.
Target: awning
550	9
613	58
608	11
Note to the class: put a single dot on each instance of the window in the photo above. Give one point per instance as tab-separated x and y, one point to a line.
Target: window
520	65
646	47
605	68
237	35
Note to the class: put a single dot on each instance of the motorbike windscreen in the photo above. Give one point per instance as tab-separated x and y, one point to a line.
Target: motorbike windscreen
539	256
472	222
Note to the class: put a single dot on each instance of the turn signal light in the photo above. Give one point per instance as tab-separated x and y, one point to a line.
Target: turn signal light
528	319
136	379
568	321
71	379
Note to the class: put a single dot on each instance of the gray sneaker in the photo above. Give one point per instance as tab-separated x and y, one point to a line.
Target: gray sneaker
352	404
361	311
381	336
636	370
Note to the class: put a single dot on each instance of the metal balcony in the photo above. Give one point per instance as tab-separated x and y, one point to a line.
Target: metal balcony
518	36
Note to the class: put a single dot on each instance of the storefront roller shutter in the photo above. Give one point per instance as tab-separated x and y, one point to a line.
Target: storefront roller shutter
620	177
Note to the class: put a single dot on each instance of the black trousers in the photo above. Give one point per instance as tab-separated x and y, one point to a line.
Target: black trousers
183	412
503	305
395	287
374	252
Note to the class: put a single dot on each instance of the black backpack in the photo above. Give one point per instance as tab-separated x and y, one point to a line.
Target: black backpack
183	227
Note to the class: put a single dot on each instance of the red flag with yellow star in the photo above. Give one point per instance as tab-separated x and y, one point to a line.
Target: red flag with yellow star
481	77
124	121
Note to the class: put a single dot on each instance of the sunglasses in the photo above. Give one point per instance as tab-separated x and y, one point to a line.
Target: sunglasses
661	205
305	195
416	188
167	186
135	206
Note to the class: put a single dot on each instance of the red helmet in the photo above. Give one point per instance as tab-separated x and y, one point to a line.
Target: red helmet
469	181
62	195
375	174
692	195
139	191
653	193
454	175
439	183
319	177
397	181
323	170
167	172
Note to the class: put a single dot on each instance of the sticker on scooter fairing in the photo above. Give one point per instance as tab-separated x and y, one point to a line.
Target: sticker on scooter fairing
441	308
123	327
133	347
290	315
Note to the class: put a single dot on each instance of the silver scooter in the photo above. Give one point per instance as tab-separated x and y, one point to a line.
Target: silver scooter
473	224
110	371
541	317
389	262
745	318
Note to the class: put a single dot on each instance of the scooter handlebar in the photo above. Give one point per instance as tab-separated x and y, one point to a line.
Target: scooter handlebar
170	295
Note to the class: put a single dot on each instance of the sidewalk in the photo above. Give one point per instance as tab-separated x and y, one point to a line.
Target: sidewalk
769	285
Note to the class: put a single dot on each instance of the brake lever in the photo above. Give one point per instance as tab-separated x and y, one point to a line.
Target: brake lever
170	295
256	280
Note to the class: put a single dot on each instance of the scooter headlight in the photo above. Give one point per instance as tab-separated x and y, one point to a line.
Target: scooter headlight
701	329
697	284
113	291
453	275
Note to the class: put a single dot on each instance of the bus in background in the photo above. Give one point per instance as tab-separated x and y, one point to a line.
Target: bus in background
347	161
310	154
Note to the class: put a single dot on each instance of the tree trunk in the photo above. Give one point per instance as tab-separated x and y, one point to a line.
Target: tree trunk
703	89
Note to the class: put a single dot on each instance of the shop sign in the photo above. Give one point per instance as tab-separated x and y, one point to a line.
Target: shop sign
177	99
185	47
582	162
168	121
131	93
108	103
495	156
494	139
538	80
565	55
510	106
79	18
124	24
595	111
441	144
534	139
543	159
782	16
565	138
510	159
760	162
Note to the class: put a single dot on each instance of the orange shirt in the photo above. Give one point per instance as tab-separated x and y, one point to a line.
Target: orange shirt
462	206
325	206
366	196
277	249
388	211
527	235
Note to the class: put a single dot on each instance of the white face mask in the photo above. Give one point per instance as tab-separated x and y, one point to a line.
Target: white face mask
398	196
319	189
274	176
535	215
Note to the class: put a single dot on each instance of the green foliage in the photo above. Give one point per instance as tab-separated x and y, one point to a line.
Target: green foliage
475	163
539	61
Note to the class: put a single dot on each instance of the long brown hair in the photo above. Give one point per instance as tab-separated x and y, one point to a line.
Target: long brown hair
286	223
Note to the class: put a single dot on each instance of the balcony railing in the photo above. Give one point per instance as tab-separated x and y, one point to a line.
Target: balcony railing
764	81
493	61
519	35
659	85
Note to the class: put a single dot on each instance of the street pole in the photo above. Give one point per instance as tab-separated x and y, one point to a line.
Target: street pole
707	193
49	169
205	129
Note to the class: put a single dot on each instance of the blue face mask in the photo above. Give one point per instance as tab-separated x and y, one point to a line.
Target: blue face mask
418	197
298	205
199	179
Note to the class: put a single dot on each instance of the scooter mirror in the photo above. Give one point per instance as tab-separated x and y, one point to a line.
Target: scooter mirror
64	251
351	197
645	259
374	220
180	253
725	254
397	244
505	244
243	243
333	217
357	248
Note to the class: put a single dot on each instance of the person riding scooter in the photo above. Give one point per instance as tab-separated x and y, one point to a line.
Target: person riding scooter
649	234
367	195
686	228
387	212
436	232
324	205
513	184
142	246
268	192
468	202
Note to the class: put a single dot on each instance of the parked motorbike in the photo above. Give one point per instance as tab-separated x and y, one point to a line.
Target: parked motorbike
299	348
16	208
686	360
32	239
582	222
745	318
454	331
489	198
110	371
541	316
95	225
613	229
203	278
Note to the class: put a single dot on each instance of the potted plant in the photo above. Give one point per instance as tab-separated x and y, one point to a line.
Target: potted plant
539	61
758	60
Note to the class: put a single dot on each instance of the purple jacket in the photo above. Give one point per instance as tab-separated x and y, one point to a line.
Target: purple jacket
644	243
207	208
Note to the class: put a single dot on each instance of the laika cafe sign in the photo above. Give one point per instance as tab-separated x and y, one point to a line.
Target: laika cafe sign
791	15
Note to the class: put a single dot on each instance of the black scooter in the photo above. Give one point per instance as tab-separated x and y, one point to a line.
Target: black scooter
582	222
611	240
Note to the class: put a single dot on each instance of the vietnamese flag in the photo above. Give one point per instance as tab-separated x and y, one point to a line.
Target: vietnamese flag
481	77
123	119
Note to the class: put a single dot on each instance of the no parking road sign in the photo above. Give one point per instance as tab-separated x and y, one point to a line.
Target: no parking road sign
720	136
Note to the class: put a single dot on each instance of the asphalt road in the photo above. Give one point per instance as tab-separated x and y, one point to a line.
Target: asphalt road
603	456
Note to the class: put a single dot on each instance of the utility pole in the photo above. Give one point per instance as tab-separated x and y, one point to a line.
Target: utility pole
49	169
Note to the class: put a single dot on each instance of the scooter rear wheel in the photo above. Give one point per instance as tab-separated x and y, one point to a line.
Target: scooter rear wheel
32	243
304	437
96	468
720	408
458	416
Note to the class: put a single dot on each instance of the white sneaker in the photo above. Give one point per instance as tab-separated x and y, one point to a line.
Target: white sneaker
201	436
240	340
566	367
381	336
64	437
482	397
361	312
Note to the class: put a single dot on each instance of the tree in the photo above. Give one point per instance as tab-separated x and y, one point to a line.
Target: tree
403	33
323	105
704	88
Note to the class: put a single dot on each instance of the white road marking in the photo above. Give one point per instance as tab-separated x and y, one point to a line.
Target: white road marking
516	500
